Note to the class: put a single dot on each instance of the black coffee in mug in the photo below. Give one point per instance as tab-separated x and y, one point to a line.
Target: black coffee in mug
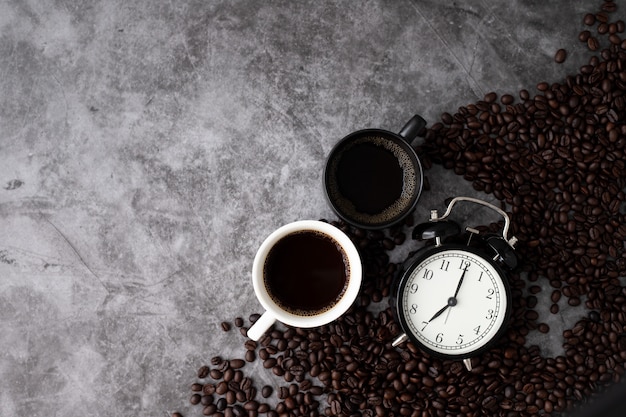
373	177
306	272
370	168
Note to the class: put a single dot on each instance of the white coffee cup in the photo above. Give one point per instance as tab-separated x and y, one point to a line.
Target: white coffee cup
274	311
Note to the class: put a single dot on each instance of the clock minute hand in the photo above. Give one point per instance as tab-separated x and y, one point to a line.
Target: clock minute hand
458	287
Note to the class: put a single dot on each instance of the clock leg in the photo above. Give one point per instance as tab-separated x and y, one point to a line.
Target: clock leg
399	340
468	363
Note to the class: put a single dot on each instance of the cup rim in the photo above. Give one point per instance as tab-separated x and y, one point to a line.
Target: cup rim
406	147
349	296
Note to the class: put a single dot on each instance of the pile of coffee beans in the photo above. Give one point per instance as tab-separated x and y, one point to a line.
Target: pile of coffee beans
556	160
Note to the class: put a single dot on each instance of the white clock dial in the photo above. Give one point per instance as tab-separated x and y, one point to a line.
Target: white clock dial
454	302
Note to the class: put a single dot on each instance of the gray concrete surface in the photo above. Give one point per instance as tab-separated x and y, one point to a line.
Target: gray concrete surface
148	147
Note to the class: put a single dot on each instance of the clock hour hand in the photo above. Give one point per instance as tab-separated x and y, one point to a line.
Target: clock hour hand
451	303
440	312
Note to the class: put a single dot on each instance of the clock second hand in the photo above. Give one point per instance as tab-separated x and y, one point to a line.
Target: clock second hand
447	317
451	301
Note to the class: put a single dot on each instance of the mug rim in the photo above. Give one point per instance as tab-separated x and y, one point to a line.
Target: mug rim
344	303
412	155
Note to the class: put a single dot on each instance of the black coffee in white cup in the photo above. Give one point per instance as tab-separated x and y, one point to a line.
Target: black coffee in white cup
305	274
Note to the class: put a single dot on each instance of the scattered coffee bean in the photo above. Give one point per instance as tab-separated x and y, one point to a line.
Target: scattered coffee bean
584	36
237	363
560	56
209	410
594	316
225	326
203	372
266	391
593	44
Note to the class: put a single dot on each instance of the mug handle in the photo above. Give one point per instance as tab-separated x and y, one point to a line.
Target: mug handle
261	325
412	128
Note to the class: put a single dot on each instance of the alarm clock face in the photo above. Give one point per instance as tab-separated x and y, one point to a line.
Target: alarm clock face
453	302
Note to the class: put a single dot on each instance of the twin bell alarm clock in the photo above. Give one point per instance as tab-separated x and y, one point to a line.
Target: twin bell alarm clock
453	297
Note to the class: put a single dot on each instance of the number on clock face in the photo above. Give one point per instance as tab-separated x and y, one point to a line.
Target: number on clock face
454	302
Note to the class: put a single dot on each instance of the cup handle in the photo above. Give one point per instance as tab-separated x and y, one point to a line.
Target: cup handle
413	128
261	325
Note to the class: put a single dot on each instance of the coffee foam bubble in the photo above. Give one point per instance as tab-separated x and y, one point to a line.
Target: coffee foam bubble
410	187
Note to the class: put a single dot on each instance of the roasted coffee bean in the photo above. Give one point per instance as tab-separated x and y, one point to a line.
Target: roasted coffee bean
560	56
228	375
266	391
507	99
221	404
490	403
225	326
252	406
203	372
222	367
221	388
335	407
594	316
573	301
231	397
592	43
609	6
209	410
239	411
237	363
195	399
269	363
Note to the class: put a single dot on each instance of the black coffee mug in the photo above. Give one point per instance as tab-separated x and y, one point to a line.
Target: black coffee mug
373	177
